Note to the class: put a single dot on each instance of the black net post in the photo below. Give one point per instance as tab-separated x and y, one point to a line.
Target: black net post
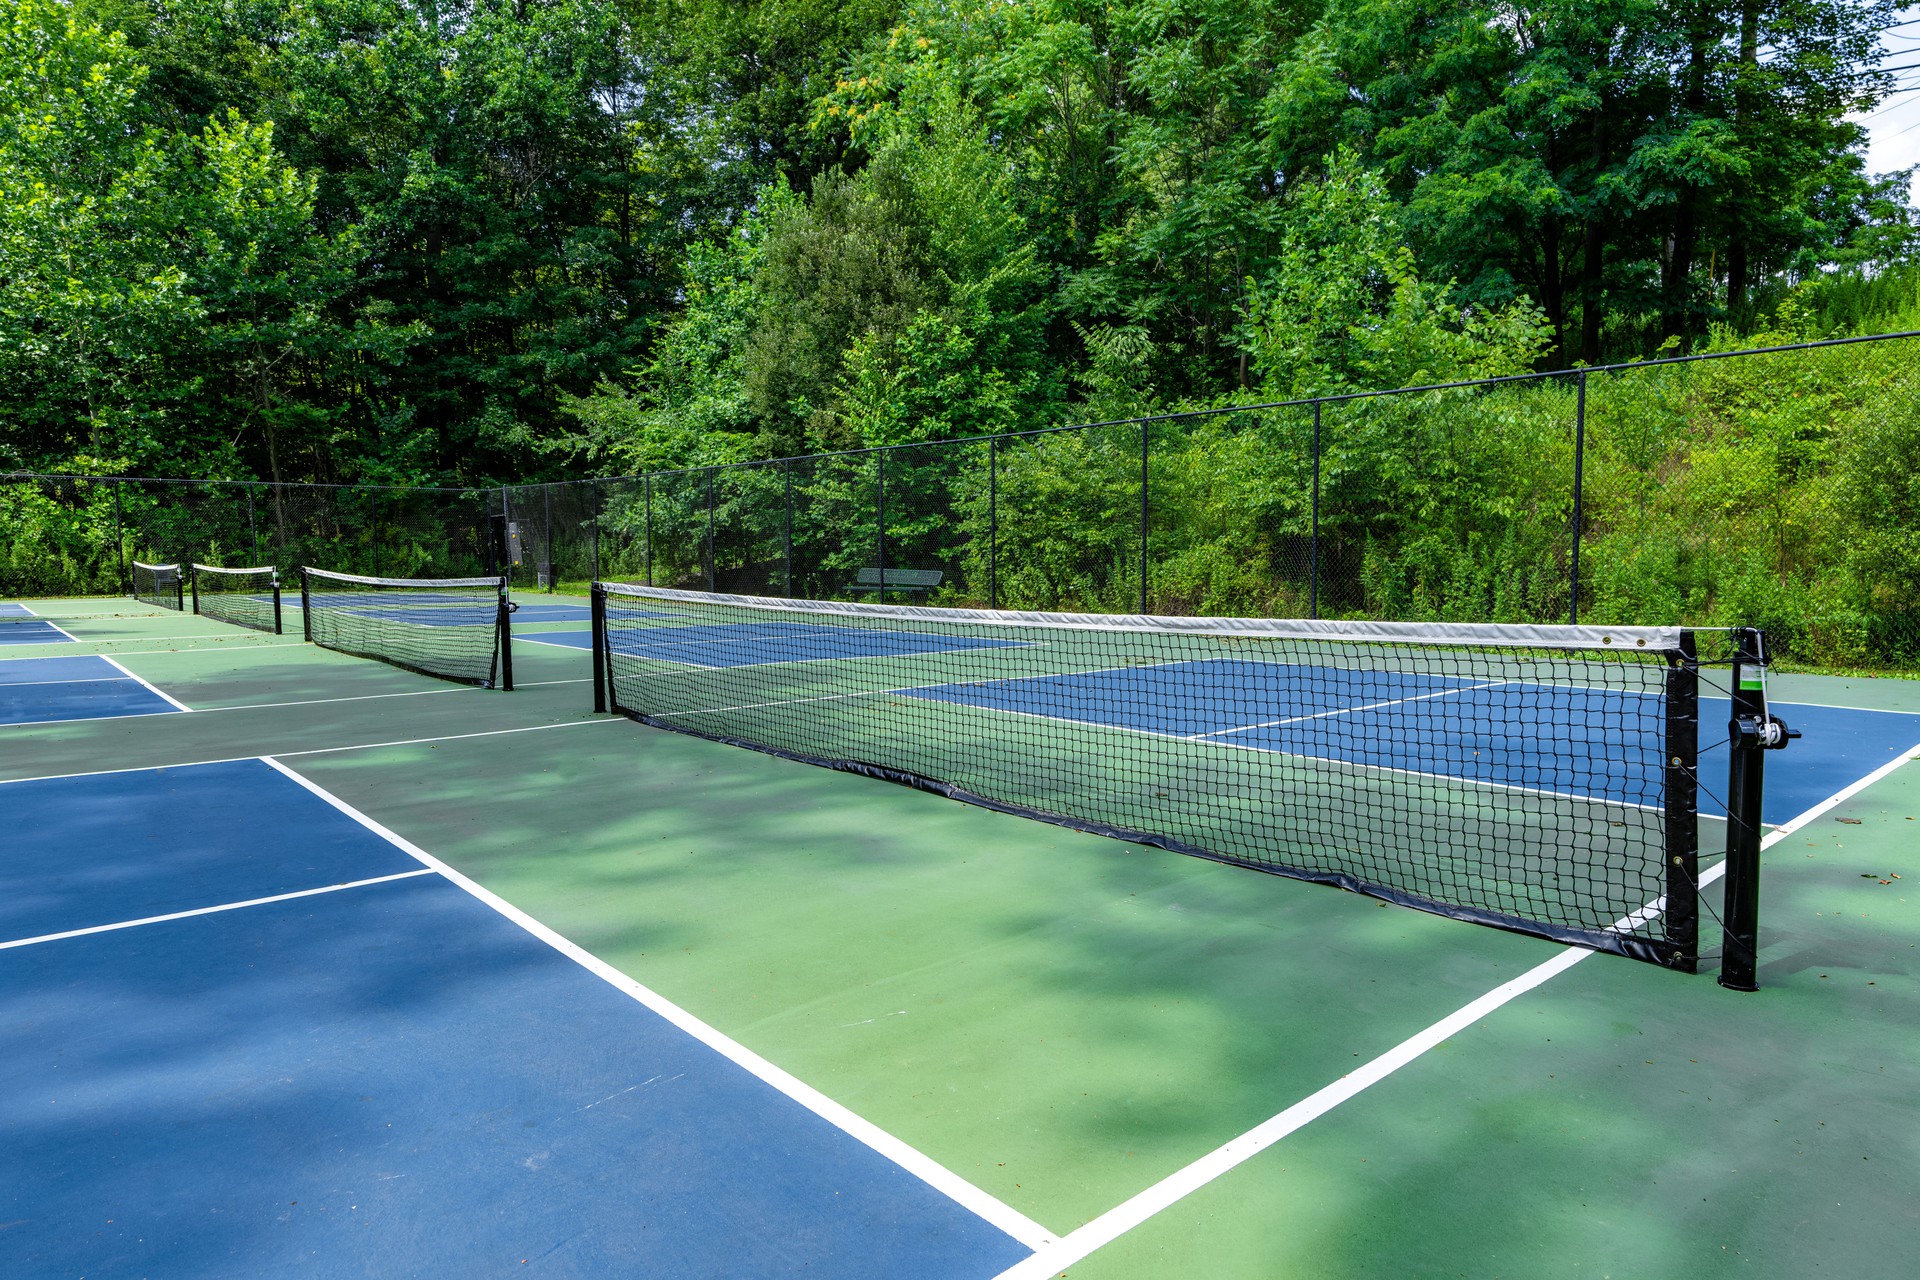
599	611
195	573
306	608
1682	804
180	594
278	622
1313	536
505	623
1753	732
1579	460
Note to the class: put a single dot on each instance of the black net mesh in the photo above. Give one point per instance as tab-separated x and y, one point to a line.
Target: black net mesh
1520	777
158	584
244	597
445	627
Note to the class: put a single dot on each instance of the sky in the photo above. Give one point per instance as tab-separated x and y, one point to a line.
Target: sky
1893	130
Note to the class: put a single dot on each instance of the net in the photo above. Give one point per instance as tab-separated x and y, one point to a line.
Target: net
244	597
158	584
1535	778
453	628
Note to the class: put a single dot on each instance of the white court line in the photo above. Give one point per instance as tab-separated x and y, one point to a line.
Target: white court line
1347	711
50	622
158	693
127	715
29	684
255	706
452	737
924	1167
207	911
1116	1222
577	648
311	751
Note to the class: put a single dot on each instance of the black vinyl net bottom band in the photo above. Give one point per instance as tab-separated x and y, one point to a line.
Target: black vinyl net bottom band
444	627
1537	779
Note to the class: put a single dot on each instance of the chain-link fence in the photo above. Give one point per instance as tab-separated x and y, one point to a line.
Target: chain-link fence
1777	488
68	535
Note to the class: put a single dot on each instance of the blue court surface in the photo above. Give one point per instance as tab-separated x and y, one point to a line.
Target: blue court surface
18	625
383	1079
37	690
552	613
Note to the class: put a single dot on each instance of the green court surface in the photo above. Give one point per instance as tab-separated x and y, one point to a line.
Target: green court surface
1064	1021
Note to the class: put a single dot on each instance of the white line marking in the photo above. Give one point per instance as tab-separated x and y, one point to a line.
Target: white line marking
956	1188
156	692
1347	711
259	706
207	911
125	715
29	684
451	737
1111	1225
312	751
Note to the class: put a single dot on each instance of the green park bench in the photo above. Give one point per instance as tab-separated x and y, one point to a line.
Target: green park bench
907	580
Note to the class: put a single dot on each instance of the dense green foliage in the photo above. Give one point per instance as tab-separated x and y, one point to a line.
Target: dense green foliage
376	241
380	241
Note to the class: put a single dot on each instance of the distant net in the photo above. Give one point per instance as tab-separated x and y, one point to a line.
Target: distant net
1534	778
158	584
453	628
243	597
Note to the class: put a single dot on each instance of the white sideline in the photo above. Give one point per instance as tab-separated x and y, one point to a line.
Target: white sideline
168	698
1117	1221
1005	1217
214	910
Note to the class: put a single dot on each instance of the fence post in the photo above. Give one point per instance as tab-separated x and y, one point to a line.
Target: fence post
1313	537
710	577
880	544
786	473
1579	460
546	546
649	485
1143	515
253	533
993	522
599	506
119	539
